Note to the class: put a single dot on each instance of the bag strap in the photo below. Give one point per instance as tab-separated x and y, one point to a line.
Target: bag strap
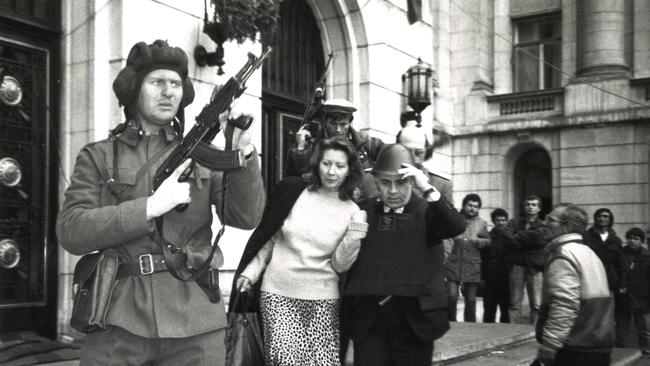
106	176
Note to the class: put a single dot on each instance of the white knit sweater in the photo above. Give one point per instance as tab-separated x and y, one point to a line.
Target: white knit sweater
317	240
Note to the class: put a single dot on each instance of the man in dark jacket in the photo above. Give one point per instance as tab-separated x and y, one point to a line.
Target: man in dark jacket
398	289
576	319
494	270
337	116
527	256
154	318
633	307
602	239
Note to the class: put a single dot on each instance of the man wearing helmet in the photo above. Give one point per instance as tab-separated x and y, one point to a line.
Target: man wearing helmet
337	116
397	287
154	318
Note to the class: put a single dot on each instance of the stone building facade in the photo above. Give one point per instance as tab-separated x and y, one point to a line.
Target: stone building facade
548	97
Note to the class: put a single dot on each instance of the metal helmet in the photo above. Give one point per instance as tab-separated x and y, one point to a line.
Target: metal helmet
390	159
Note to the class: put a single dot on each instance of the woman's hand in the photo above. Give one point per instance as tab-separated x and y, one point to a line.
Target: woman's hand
243	284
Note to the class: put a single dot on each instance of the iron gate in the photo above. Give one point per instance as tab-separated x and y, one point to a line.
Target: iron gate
24	175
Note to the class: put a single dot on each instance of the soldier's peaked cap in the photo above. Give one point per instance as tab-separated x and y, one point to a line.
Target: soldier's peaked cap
338	105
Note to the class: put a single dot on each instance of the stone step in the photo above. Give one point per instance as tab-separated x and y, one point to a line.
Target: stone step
467	340
523	354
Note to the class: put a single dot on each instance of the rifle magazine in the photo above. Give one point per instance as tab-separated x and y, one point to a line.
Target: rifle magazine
220	160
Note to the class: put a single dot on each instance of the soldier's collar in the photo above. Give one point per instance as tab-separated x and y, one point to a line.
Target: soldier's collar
132	135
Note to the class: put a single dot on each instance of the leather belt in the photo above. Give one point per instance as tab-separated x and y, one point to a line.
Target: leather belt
145	264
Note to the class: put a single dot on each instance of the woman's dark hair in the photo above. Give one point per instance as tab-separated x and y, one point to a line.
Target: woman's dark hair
351	182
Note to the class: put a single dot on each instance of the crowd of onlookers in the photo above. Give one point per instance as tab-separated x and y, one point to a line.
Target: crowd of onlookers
511	257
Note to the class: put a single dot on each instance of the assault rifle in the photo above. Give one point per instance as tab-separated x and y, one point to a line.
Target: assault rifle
196	143
316	100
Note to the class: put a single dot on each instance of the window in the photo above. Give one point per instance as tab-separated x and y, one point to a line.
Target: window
538	41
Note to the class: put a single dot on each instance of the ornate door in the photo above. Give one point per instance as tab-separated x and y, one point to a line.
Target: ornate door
27	260
289	78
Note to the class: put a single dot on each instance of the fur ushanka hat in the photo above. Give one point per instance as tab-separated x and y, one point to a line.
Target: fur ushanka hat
144	58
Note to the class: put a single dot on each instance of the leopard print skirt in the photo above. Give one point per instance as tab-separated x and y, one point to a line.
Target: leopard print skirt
300	332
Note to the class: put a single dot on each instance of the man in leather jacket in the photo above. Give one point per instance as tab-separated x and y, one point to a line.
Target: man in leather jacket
576	318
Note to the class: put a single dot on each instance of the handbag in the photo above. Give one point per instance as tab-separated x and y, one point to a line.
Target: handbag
244	345
92	285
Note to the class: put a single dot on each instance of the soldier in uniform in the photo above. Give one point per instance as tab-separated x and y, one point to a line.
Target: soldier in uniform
153	318
337	116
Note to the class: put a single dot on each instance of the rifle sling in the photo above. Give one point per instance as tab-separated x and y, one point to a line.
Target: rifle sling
175	258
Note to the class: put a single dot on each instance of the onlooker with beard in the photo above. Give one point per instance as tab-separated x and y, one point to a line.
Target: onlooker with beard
602	239
576	318
633	308
527	256
463	266
495	271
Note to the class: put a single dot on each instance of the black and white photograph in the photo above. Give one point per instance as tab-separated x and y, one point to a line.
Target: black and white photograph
325	182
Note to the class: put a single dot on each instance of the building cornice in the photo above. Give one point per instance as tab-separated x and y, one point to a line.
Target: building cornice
600	119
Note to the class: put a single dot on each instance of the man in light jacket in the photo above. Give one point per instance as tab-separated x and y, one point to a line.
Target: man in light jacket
576	319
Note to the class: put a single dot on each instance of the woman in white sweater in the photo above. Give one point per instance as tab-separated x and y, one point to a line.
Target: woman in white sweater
299	266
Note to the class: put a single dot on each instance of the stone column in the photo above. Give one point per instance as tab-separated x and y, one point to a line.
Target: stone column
601	37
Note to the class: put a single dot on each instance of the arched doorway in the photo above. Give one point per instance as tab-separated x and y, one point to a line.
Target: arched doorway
289	77
532	175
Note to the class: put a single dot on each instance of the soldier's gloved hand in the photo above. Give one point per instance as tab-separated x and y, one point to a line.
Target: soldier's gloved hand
170	194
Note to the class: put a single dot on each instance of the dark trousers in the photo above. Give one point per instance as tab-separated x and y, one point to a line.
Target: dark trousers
574	358
116	346
391	341
633	330
469	295
497	293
